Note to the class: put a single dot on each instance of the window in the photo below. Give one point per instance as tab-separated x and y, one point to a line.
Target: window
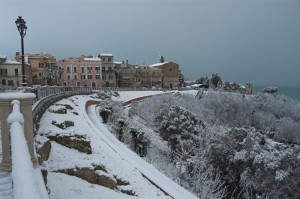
75	69
90	77
110	77
97	76
16	72
170	69
103	59
109	59
75	76
104	77
82	76
68	69
10	82
82	69
97	69
3	72
69	77
103	68
109	68
90	69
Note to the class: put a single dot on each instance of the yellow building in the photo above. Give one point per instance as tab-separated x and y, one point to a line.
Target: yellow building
39	63
170	72
10	72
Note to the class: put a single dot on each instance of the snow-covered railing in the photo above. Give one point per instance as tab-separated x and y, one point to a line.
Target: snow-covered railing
26	185
45	91
125	89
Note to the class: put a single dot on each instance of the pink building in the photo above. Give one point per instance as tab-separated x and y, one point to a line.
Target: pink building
82	71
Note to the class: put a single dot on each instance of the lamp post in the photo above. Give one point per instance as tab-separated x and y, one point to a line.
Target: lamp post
45	74
21	25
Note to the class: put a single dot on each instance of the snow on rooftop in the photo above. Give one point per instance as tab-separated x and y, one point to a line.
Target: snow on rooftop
92	59
106	54
12	62
2	56
158	64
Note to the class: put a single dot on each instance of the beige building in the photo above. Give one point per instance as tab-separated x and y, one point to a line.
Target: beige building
126	76
10	72
170	72
108	70
148	77
39	63
138	76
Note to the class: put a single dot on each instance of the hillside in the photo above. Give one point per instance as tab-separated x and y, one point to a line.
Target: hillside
95	167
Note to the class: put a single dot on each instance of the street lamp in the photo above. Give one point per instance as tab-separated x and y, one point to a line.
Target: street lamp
45	74
21	25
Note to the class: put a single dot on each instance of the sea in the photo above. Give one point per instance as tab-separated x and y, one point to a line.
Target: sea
291	92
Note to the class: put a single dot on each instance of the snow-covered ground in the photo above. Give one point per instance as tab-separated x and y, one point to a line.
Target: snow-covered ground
107	151
128	95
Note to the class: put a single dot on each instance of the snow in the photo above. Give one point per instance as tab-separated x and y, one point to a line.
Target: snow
281	175
92	59
22	167
157	64
16	115
16	95
128	95
12	62
119	161
146	169
28	182
75	188
106	54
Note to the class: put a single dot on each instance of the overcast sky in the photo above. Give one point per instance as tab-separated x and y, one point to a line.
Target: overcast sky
244	41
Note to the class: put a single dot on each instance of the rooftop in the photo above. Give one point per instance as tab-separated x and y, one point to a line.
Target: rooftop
12	62
158	64
106	55
92	59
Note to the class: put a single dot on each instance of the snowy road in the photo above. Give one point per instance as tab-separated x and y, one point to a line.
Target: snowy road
165	183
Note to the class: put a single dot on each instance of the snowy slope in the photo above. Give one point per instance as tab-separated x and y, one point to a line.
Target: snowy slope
63	158
146	169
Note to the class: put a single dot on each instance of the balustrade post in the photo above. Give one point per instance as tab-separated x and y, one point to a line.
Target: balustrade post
47	90
26	100
38	92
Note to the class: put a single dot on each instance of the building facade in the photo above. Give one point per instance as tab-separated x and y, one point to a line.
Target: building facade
109	75
10	72
82	71
170	74
39	65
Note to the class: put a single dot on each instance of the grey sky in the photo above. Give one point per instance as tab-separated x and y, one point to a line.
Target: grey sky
244	41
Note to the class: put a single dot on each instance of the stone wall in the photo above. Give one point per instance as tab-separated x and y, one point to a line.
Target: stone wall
46	102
